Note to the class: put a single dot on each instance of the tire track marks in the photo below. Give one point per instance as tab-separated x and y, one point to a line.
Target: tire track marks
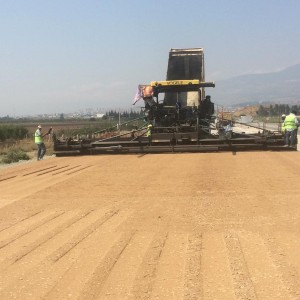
285	261
145	278
78	238
50	171
193	282
42	271
216	272
66	170
21	247
242	283
25	226
264	274
95	284
24	219
76	171
7	178
38	171
95	248
170	278
24	186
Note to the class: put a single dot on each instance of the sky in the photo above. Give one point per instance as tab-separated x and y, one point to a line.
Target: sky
63	56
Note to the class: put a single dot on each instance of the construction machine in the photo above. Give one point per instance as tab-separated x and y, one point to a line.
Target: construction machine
179	117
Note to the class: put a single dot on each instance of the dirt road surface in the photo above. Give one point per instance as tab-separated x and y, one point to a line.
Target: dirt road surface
164	226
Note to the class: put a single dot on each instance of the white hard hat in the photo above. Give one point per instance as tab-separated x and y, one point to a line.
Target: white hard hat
39	126
283	115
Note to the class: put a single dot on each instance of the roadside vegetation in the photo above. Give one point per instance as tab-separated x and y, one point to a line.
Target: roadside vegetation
64	126
15	155
16	150
267	113
17	143
12	132
276	110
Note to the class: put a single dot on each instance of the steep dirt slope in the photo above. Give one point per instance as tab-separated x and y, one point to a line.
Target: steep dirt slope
172	226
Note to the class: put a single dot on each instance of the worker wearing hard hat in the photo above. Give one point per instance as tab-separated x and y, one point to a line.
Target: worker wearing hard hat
291	124
38	139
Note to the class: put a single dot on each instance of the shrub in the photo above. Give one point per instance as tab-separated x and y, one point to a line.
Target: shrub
12	132
15	155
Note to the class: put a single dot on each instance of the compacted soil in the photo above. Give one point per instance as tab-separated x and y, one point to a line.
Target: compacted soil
162	226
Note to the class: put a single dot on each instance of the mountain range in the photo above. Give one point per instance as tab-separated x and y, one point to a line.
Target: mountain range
276	87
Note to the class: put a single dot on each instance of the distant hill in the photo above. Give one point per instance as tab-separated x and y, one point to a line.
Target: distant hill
276	87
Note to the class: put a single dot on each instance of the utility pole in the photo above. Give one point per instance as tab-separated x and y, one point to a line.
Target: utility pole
119	125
